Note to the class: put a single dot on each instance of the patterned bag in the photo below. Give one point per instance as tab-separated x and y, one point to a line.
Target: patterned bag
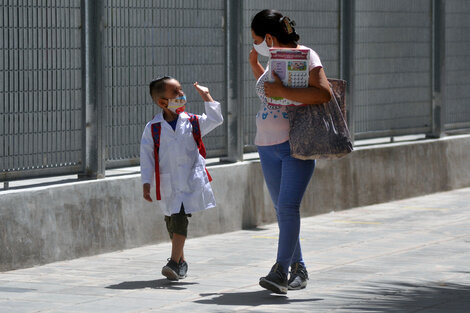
319	131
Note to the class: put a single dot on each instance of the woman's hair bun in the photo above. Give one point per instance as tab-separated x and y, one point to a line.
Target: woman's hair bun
288	25
274	23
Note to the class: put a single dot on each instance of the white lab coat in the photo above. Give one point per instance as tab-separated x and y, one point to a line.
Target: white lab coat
183	179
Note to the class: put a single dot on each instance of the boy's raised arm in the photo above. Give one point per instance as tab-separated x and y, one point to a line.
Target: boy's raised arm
213	116
203	92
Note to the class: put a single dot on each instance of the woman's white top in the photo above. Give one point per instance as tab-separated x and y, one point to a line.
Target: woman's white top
272	122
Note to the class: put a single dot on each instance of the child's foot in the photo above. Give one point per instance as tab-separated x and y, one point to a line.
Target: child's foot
298	276
182	269
171	270
276	280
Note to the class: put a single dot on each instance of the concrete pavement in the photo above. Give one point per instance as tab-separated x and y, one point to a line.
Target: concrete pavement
404	256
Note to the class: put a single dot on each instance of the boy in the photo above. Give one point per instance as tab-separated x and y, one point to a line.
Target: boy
171	150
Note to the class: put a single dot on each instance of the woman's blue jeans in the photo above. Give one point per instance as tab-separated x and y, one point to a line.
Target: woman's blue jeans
286	178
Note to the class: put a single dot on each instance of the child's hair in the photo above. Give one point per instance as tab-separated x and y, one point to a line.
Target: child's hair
158	86
274	23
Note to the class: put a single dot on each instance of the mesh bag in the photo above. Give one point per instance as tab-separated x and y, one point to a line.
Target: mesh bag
319	131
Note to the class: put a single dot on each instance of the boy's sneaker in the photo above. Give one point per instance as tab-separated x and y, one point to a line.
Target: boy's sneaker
171	270
276	280
298	277
182	269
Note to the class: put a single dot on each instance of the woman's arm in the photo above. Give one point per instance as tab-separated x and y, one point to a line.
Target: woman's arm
318	90
256	67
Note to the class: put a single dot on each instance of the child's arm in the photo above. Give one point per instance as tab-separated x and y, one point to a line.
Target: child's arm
213	116
147	162
146	190
203	92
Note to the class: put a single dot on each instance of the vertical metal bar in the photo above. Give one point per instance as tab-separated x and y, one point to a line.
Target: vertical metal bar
93	122
16	100
234	88
46	87
347	64
3	95
37	86
438	69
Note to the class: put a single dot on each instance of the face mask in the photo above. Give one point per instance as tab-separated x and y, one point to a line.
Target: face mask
177	105
262	48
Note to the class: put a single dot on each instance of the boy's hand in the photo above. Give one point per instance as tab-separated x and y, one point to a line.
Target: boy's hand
204	92
147	193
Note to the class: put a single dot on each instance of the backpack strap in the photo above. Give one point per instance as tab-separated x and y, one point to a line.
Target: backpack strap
198	138
156	131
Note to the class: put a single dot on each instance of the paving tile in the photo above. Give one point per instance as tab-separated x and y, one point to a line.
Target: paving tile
405	256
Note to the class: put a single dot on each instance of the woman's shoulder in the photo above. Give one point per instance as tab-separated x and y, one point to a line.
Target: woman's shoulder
314	58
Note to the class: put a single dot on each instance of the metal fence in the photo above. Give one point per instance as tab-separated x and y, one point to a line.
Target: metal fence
40	88
74	73
457	69
146	39
393	62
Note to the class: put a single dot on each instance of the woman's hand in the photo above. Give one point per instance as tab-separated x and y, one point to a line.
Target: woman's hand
274	89
253	56
203	92
257	69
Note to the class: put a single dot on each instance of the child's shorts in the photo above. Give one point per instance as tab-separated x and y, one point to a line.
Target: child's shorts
177	223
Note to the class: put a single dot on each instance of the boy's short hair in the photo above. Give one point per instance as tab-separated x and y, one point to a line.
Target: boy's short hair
158	86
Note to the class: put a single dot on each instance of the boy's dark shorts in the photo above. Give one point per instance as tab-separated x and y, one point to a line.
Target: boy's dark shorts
177	223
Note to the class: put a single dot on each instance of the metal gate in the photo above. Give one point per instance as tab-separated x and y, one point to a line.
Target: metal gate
74	74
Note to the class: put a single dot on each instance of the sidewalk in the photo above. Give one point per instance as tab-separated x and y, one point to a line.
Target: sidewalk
405	256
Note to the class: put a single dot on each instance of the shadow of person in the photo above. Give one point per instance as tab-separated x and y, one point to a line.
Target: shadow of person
153	284
392	296
249	298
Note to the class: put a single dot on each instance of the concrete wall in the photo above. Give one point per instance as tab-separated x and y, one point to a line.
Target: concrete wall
47	224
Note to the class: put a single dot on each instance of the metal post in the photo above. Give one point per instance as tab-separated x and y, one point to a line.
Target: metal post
438	69
93	110
347	64
234	91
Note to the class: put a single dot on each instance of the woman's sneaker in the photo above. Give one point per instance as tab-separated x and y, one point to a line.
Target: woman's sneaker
182	269
171	270
298	276
276	280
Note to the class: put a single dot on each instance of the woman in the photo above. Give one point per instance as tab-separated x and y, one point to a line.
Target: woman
286	177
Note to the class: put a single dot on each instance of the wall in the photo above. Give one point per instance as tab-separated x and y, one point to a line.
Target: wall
47	224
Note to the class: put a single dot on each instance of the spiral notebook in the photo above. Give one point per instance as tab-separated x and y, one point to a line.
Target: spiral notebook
291	65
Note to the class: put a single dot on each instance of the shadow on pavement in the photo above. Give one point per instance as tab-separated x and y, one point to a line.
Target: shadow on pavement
43	184
256	228
405	297
249	298
153	284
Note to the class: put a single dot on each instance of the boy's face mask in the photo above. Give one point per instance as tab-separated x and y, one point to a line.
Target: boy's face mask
177	105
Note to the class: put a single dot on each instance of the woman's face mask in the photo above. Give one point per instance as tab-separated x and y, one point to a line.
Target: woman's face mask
177	105
262	48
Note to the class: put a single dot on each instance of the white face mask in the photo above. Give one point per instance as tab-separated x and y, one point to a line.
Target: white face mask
262	48
177	105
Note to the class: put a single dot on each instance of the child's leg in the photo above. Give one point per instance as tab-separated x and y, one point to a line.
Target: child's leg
177	246
177	226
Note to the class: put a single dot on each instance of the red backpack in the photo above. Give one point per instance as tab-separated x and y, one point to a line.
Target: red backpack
156	131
